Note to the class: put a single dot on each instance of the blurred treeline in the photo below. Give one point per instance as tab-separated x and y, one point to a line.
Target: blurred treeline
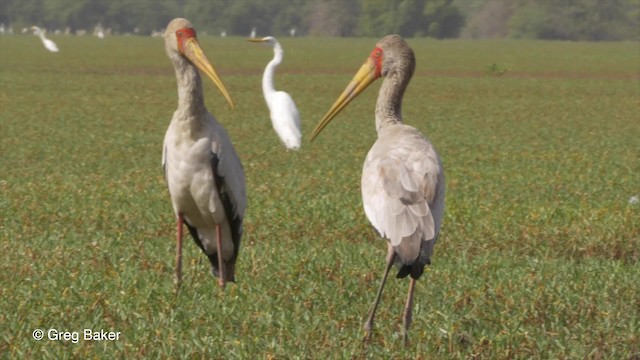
536	19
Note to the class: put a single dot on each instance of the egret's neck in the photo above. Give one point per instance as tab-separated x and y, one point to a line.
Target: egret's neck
268	86
389	104
190	98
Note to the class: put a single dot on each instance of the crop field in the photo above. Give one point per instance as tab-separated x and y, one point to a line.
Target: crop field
539	252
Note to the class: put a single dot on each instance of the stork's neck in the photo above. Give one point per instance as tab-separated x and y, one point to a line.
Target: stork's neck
389	103
268	86
190	97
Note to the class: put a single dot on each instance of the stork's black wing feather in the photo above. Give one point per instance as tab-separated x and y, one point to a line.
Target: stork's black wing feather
235	220
194	233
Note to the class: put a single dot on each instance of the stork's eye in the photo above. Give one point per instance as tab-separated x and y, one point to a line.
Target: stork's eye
180	34
378	53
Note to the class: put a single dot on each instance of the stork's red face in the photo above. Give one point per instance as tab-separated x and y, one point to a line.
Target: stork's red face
368	73
189	46
376	56
183	35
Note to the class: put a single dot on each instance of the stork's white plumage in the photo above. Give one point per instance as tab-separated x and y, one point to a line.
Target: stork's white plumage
204	175
402	177
285	117
48	44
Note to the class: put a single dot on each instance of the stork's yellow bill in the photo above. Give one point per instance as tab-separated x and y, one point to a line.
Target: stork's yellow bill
189	46
367	74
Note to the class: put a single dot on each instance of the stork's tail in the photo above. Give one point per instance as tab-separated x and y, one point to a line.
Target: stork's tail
415	270
229	268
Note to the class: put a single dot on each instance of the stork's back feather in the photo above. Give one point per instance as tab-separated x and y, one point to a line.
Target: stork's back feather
403	192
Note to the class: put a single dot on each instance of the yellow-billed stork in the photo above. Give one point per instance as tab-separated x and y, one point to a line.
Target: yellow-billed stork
203	172
402	177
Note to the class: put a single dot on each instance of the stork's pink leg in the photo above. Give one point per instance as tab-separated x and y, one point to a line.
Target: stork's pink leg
221	279
179	249
408	311
368	326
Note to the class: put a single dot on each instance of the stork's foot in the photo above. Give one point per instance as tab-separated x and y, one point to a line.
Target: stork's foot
222	280
368	327
405	327
406	338
220	276
177	281
178	278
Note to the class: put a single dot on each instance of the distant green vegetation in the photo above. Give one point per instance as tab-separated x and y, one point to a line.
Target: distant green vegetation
530	19
540	246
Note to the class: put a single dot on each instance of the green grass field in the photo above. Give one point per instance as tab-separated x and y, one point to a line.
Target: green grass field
538	256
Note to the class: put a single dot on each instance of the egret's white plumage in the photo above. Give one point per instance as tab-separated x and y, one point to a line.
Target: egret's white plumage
402	177
98	31
284	114
204	175
48	44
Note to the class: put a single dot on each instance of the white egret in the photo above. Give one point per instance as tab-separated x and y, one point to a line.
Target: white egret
402	177
285	117
48	44
203	173
98	31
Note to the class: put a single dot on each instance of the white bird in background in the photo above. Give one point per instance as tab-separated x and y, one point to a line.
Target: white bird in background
253	33
285	117
204	175
98	31
402	177
48	44
292	32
